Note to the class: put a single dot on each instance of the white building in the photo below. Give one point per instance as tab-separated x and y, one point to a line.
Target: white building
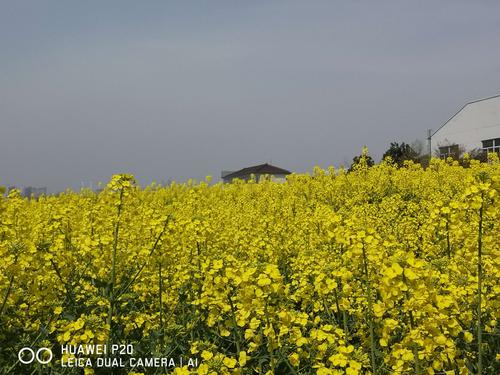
474	127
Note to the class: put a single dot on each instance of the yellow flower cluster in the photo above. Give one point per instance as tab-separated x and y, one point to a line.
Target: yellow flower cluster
380	270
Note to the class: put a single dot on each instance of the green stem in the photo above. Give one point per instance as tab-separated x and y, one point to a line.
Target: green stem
7	293
236	332
479	286
415	348
336	304
160	287
448	246
370	312
344	315
417	362
113	269
346	328
200	273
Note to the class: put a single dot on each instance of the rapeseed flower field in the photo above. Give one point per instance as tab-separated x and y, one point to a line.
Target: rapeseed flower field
381	270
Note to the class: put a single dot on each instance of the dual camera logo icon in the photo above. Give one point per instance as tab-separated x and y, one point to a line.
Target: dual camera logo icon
27	355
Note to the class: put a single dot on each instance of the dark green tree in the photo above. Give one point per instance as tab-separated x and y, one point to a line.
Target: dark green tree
363	159
401	152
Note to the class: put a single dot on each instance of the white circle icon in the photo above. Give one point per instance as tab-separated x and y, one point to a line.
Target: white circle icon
19	355
39	359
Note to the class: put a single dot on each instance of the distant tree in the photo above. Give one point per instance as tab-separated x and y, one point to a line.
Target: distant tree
479	154
363	159
476	154
401	152
422	152
419	147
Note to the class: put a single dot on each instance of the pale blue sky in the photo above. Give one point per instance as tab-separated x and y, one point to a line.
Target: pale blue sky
183	89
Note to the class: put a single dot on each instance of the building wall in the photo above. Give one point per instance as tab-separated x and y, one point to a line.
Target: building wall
476	122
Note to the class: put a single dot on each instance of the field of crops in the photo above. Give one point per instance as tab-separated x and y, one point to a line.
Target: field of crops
379	270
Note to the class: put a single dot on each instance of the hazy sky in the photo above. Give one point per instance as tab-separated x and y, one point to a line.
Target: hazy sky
183	89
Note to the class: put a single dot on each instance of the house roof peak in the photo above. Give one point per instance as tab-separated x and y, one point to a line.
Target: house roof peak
265	168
